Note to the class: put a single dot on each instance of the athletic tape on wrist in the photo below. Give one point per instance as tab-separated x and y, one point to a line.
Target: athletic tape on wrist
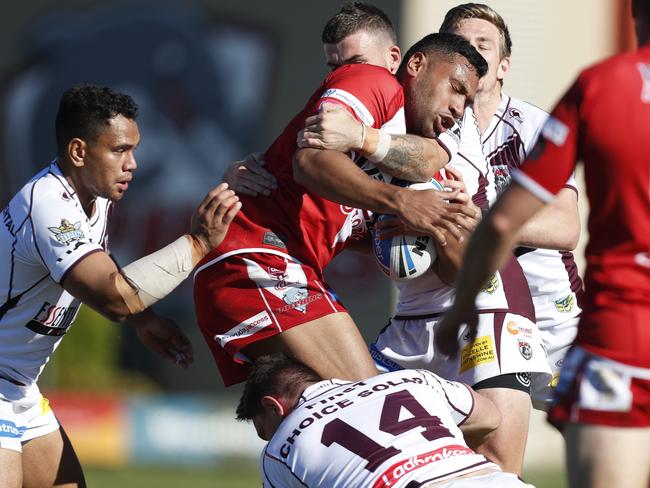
154	276
363	136
450	140
383	146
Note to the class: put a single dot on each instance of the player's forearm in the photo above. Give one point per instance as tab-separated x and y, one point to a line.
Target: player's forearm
333	175
409	157
449	258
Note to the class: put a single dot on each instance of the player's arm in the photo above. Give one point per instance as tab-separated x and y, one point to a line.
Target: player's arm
405	156
96	280
483	420
556	226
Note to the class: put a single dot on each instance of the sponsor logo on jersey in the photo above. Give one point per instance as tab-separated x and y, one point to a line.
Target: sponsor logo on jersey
555	131
52	319
479	351
525	350
67	232
351	101
245	329
8	221
491	286
515	329
273	239
565	304
393	474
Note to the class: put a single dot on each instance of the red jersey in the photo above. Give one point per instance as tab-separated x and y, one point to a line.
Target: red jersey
292	220
604	120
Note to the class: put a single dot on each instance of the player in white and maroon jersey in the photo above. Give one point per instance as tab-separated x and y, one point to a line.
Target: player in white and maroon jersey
278	246
603	398
53	247
398	429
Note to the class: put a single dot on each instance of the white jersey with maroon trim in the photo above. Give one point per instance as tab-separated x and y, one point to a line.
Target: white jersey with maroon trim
45	233
387	431
552	276
428	294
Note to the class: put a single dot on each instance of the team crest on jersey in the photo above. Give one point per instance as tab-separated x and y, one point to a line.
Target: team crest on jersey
491	286
565	304
525	350
516	114
67	232
273	239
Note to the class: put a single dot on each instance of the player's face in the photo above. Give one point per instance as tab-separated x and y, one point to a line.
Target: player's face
436	95
109	160
363	48
485	37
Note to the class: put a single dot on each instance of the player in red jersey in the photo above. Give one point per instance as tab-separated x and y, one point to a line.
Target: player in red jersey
252	291
602	403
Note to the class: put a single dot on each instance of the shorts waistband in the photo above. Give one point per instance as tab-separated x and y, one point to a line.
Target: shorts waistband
434	315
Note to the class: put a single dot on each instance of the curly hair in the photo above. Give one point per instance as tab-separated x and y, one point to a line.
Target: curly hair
277	375
354	17
86	109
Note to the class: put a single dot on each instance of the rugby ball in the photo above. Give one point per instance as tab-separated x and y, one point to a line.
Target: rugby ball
405	257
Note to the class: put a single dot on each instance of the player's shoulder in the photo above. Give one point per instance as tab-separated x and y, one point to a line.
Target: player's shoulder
522	113
367	75
615	67
37	191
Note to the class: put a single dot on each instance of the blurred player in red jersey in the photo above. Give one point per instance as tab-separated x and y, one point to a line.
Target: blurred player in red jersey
602	402
266	279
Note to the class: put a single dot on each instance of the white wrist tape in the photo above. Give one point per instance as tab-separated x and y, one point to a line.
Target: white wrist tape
450	140
156	275
382	147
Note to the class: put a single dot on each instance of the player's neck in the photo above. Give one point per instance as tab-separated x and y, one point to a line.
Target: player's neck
86	198
485	106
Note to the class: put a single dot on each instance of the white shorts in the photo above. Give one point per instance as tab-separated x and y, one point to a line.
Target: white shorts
23	420
493	480
505	343
557	340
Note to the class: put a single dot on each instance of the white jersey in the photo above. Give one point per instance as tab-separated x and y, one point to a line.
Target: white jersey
552	276
387	431
45	232
506	290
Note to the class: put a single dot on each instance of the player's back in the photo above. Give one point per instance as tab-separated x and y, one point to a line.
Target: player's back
389	430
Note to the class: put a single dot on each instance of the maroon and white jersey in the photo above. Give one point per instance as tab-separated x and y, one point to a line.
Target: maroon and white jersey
388	431
45	232
552	276
293	221
507	289
603	121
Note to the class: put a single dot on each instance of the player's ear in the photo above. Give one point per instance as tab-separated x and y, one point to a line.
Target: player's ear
77	151
273	405
395	58
503	69
416	63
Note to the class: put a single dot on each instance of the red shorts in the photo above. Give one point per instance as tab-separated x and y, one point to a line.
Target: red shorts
247	297
599	391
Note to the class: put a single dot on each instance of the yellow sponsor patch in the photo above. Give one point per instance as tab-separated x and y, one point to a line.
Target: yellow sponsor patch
45	406
480	351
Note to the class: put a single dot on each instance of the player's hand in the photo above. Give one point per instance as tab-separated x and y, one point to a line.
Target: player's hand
211	220
446	336
249	177
165	338
472	215
331	128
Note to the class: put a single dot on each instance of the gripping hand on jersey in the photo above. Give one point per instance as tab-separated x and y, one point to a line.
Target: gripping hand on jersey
332	128
163	337
249	177
446	336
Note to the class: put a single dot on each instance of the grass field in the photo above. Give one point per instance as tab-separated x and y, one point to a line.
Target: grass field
234	475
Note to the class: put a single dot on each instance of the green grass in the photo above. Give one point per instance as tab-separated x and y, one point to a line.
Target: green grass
239	474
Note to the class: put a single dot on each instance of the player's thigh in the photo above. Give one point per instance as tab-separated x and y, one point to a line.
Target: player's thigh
50	460
507	444
11	475
331	345
602	456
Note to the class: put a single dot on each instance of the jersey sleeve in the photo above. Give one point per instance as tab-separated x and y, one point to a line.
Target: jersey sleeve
458	397
61	235
276	474
552	160
370	93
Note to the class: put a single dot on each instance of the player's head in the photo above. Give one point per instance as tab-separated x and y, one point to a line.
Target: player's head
360	33
641	13
486	30
440	75
274	385
96	134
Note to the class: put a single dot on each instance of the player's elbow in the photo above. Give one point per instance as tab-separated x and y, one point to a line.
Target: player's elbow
302	164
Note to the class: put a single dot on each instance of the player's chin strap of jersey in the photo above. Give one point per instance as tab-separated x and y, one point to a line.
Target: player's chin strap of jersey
145	281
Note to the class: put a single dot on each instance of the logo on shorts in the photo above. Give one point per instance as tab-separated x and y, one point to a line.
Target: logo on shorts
479	351
272	239
491	286
11	430
523	378
67	232
525	350
245	329
565	304
297	298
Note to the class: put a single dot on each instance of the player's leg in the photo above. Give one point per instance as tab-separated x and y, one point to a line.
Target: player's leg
602	457
11	475
50	460
507	443
331	345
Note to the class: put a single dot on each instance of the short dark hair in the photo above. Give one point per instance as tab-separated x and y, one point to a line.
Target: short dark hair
641	8
479	11
446	45
85	109
354	17
277	375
